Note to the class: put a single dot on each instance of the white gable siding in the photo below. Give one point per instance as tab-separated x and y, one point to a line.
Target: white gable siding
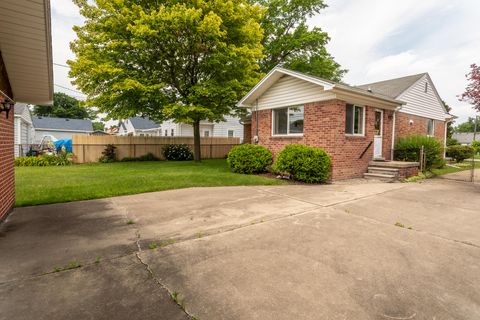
421	103
232	123
288	91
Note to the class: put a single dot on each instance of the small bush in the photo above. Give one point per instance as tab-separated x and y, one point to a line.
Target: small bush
460	153
303	163
109	154
408	149
177	152
146	157
452	142
476	146
249	158
61	159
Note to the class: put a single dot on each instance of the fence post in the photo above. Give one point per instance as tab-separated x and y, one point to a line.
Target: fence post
83	153
422	159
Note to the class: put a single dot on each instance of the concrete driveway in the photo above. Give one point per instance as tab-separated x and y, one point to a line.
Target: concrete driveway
346	251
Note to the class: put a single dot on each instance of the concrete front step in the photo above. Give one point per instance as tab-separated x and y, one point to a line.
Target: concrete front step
381	177
382	170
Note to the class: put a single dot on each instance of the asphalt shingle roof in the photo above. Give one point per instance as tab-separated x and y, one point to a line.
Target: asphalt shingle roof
465	137
62	124
393	87
143	123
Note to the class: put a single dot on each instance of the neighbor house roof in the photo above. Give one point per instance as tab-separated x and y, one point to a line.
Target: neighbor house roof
26	47
143	123
62	124
465	137
275	74
393	87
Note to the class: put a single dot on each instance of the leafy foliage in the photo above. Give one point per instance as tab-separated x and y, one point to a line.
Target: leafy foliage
177	152
146	157
476	146
304	163
472	91
109	154
468	126
64	106
249	158
288	40
408	149
188	61
61	159
98	126
452	142
460	153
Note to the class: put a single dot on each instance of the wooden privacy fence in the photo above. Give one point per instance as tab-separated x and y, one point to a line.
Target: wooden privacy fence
90	148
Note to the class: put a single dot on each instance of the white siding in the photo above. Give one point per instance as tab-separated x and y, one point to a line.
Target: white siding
421	103
169	125
288	91
232	123
186	130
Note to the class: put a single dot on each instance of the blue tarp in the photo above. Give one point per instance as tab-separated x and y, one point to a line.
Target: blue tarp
67	143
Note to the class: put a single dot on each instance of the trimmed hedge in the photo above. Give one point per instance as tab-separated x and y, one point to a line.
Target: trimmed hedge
408	149
177	152
61	159
303	163
249	158
460	153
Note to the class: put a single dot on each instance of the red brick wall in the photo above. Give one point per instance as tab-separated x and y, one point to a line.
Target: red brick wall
7	178
247	133
419	126
324	127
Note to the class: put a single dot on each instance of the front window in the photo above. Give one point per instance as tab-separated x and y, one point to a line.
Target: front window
354	119
172	132
430	127
206	133
230	133
288	121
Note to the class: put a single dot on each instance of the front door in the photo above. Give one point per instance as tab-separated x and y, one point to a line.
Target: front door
378	134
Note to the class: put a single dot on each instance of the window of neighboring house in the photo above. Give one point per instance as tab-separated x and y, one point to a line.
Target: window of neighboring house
172	132
230	133
430	127
288	121
206	133
166	132
354	120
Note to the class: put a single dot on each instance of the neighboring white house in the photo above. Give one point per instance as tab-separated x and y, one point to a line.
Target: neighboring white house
60	128
465	138
24	131
138	126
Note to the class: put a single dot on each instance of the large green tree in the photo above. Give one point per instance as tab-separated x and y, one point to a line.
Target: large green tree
183	60
64	106
288	40
468	126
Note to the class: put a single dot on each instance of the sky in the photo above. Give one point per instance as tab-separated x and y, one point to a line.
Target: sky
374	39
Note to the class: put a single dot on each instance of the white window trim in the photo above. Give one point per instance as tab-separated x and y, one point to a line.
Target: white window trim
288	122
433	128
364	114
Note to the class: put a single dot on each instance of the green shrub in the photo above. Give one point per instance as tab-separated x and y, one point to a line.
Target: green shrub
408	149
476	146
177	152
452	142
303	163
61	159
146	157
109	154
249	158
460	153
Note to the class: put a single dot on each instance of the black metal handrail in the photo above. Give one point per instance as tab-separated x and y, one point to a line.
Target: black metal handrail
364	151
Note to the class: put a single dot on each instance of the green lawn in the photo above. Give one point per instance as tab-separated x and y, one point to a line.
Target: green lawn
466	165
42	185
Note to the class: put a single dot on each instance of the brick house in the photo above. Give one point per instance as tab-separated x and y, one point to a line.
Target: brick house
26	75
353	124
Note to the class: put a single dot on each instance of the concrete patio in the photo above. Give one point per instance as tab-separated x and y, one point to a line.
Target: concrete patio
345	251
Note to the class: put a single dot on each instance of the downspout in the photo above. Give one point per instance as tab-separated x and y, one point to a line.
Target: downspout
256	139
445	140
393	134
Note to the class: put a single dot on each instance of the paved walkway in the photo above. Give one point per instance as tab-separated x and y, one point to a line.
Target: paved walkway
360	251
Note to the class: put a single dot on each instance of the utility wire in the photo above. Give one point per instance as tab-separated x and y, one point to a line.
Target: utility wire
61	65
66	88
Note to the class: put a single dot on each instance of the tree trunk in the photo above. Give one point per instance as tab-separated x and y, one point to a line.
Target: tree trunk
197	157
